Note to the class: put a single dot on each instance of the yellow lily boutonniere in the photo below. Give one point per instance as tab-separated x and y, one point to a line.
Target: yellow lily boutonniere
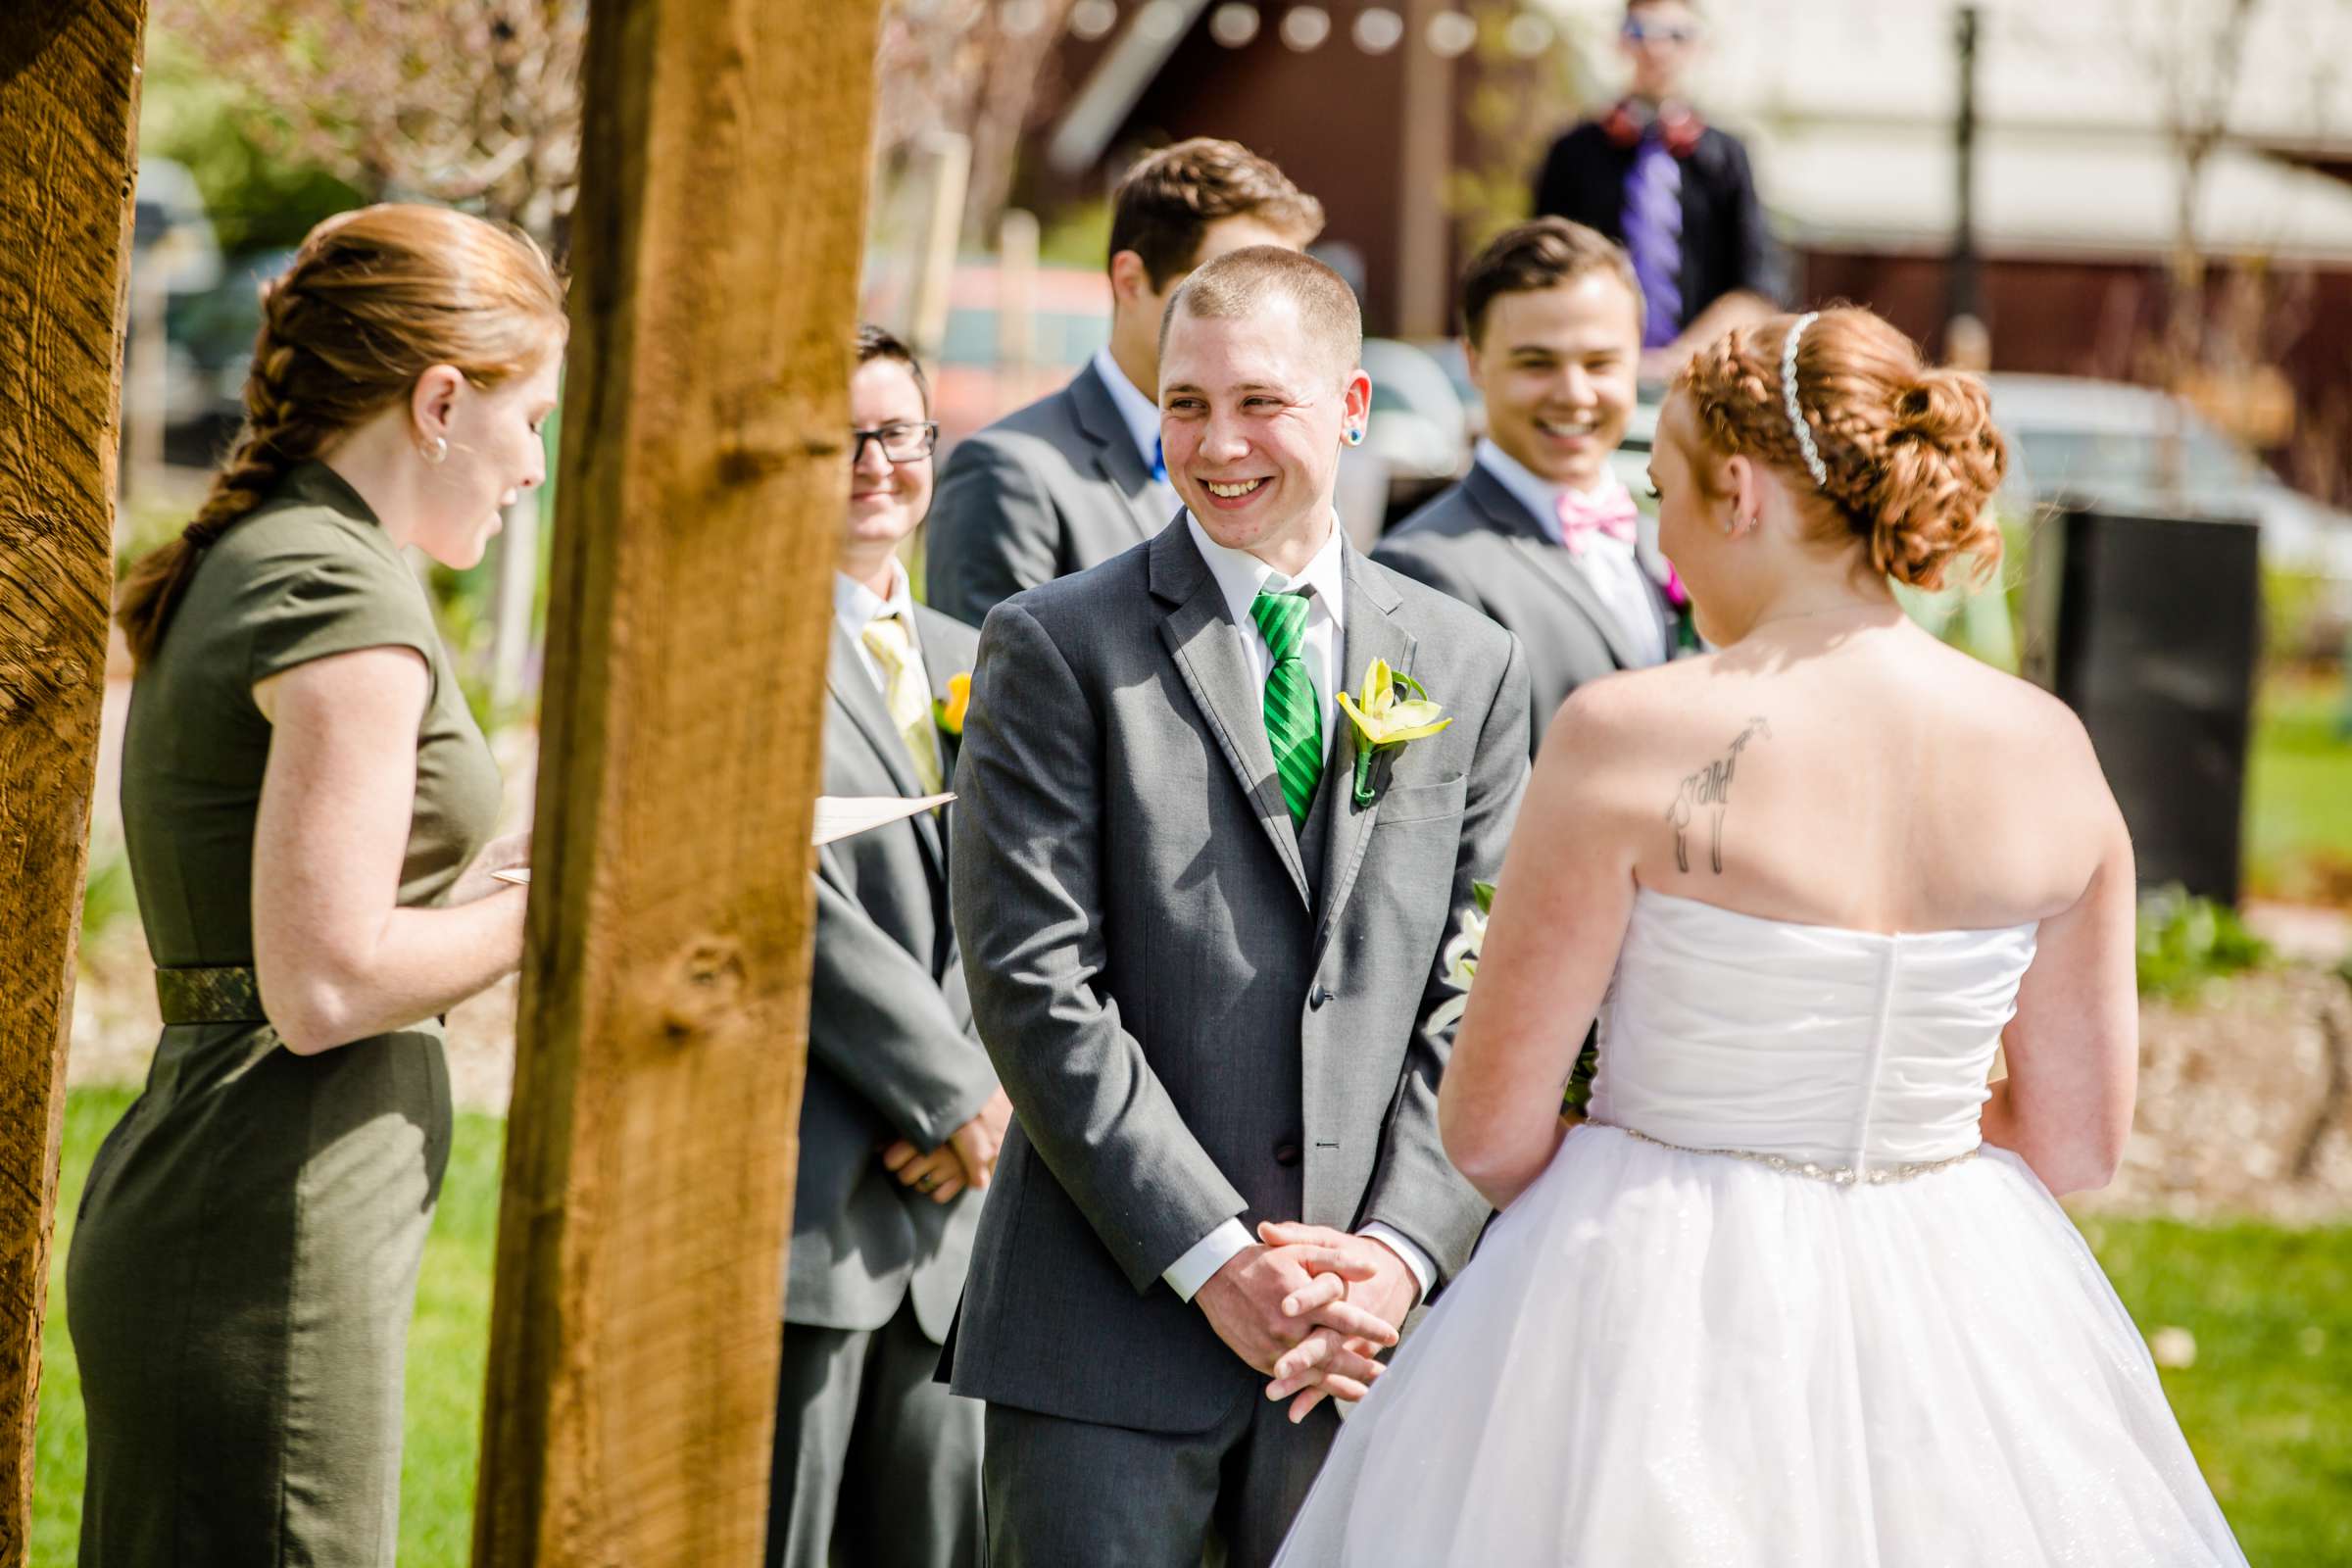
1384	716
948	710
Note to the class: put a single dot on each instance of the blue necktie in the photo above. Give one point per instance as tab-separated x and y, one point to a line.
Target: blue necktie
1653	235
1159	462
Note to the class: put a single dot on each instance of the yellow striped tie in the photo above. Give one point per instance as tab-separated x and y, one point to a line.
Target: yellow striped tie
907	699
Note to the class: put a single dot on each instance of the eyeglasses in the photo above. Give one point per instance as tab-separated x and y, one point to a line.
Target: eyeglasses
900	443
1638	31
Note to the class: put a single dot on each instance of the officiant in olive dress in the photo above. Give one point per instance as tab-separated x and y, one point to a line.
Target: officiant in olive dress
306	800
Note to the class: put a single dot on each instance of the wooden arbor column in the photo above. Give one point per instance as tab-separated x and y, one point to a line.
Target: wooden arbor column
68	127
650	1146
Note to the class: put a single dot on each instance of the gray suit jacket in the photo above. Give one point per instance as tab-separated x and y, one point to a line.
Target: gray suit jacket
1051	490
1478	543
1198	1012
891	1052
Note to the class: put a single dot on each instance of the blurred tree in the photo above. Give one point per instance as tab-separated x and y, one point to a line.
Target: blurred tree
476	104
1520	98
962	68
257	200
2194	50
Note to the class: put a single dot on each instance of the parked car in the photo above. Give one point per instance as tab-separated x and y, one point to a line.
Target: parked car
2136	447
211	332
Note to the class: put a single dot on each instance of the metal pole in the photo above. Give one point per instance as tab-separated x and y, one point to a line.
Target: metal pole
1966	299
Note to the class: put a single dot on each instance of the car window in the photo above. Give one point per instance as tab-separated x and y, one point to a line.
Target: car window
1064	338
2118	460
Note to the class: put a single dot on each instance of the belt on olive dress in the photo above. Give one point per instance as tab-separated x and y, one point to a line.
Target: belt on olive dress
231	995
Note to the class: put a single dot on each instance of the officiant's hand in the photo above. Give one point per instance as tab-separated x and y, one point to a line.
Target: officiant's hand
512	853
1329	1364
1244	1301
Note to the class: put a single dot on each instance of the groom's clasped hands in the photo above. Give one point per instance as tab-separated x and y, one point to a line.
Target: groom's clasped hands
1311	1308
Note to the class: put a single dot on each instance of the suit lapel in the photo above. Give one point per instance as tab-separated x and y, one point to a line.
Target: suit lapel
1115	456
1214	664
1371	631
1553	562
862	700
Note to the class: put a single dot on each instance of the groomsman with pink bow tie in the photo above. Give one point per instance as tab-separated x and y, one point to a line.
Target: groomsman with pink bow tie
1540	534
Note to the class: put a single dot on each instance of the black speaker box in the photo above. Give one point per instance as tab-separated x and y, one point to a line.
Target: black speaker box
2148	627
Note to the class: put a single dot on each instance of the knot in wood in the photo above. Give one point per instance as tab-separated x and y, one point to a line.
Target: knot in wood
705	990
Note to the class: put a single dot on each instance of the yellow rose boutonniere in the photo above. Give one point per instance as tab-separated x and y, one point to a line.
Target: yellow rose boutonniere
948	710
1384	716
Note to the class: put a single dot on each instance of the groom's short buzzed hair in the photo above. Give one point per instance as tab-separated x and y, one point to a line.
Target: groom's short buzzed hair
1239	281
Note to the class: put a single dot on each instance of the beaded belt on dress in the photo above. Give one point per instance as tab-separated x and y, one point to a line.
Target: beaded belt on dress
1838	1175
228	994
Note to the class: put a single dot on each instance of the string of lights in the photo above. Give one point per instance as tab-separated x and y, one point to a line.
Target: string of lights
1374	29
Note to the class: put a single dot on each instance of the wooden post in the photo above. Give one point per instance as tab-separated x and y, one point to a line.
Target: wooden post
1424	229
704	475
69	124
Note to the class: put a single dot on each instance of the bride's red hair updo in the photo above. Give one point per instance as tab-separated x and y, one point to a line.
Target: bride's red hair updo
1910	452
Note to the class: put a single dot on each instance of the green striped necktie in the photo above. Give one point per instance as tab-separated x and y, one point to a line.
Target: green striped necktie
1293	715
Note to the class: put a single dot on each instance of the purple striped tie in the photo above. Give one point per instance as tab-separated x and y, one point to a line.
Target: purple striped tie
1653	235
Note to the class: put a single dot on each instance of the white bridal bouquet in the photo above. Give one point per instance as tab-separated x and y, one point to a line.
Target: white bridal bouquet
1461	968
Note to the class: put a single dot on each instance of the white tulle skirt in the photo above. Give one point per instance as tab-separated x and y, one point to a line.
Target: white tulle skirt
1660	1357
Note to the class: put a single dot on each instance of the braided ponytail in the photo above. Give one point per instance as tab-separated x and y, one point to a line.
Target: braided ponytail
1911	455
373	300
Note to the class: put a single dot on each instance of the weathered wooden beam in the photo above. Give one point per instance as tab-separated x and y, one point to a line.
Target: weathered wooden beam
69	127
650	1146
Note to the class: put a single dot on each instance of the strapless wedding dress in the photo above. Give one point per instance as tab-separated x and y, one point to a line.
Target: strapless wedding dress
1773	1304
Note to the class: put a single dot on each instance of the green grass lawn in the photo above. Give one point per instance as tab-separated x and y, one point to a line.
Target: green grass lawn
2299	794
2268	1405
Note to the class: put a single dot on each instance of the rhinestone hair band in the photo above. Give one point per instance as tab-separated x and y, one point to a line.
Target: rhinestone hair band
1819	470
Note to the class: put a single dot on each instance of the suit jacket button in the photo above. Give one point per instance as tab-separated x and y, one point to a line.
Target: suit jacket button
1317	997
1286	1155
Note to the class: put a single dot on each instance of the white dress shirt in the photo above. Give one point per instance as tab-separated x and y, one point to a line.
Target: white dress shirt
1242	577
855	606
1138	408
1608	565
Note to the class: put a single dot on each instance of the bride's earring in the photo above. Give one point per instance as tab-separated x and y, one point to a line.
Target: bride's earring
435	450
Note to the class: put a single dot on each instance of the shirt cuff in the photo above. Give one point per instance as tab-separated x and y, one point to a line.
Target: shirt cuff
1395	1241
1205	1257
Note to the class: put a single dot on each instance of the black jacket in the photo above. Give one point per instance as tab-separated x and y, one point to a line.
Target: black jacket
1726	244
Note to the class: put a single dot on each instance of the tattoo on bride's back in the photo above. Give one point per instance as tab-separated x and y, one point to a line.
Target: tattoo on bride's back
1710	790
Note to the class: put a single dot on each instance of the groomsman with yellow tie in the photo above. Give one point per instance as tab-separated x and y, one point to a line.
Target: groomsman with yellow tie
900	1117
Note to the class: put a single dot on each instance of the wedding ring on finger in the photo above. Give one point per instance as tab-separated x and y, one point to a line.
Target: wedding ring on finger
928	1182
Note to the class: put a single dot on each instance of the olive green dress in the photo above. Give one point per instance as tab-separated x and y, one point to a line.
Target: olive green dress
245	1265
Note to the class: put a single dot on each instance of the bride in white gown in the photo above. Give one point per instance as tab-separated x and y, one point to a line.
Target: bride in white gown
1796	1292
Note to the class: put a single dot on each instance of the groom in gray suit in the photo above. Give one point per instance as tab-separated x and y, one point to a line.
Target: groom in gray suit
1203	948
1077	477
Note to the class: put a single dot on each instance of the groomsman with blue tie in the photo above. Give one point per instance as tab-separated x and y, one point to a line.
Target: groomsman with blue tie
875	1464
1540	534
1077	477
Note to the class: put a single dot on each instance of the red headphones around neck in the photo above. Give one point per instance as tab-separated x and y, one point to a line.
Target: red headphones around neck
1679	125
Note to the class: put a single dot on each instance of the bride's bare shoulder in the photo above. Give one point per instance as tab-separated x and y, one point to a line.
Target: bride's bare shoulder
1624	724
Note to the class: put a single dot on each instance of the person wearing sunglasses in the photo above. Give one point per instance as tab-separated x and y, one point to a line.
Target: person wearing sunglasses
1677	192
901	1117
